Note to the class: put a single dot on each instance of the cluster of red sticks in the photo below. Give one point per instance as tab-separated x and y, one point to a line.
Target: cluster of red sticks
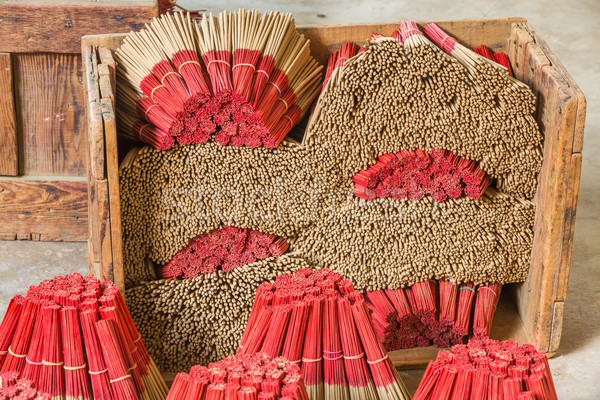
501	58
427	313
339	57
488	369
317	320
223	249
227	117
73	337
414	174
246	377
11	387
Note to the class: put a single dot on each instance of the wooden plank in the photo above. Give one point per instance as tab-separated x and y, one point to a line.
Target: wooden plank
112	173
537	296
54	209
8	126
557	325
581	100
50	99
562	278
57	27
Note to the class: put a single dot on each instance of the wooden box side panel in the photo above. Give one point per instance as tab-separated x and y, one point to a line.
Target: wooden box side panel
57	26
561	115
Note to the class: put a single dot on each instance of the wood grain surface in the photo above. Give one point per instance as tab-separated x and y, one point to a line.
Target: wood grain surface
52	209
8	124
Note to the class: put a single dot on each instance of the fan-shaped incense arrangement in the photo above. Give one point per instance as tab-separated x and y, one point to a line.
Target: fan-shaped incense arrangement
432	313
73	337
318	320
242	79
247	377
488	370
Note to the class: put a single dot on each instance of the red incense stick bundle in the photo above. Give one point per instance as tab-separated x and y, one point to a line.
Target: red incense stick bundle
312	360
51	374
76	378
335	383
500	57
97	368
242	377
11	387
17	351
387	382
121	381
338	58
9	324
485	307
480	370
466	294
360	381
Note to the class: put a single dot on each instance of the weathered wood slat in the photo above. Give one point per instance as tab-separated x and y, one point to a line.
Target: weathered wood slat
50	99
57	26
55	210
8	124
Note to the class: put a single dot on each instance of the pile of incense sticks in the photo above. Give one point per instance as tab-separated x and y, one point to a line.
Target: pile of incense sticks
317	320
222	249
488	369
439	313
414	174
242	79
246	377
73	337
11	387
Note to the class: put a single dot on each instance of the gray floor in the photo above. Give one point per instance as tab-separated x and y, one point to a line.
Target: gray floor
568	27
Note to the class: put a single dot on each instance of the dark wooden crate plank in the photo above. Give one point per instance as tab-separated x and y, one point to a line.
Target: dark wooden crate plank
57	27
8	126
50	99
55	210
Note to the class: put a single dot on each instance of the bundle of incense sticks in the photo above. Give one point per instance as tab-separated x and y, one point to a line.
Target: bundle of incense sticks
488	369
468	58
11	387
244	79
246	377
73	338
500	57
414	174
430	312
318	320
224	249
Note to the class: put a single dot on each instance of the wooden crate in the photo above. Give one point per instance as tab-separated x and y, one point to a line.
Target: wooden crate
528	312
43	141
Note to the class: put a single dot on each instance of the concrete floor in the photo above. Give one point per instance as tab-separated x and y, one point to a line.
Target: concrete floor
568	28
